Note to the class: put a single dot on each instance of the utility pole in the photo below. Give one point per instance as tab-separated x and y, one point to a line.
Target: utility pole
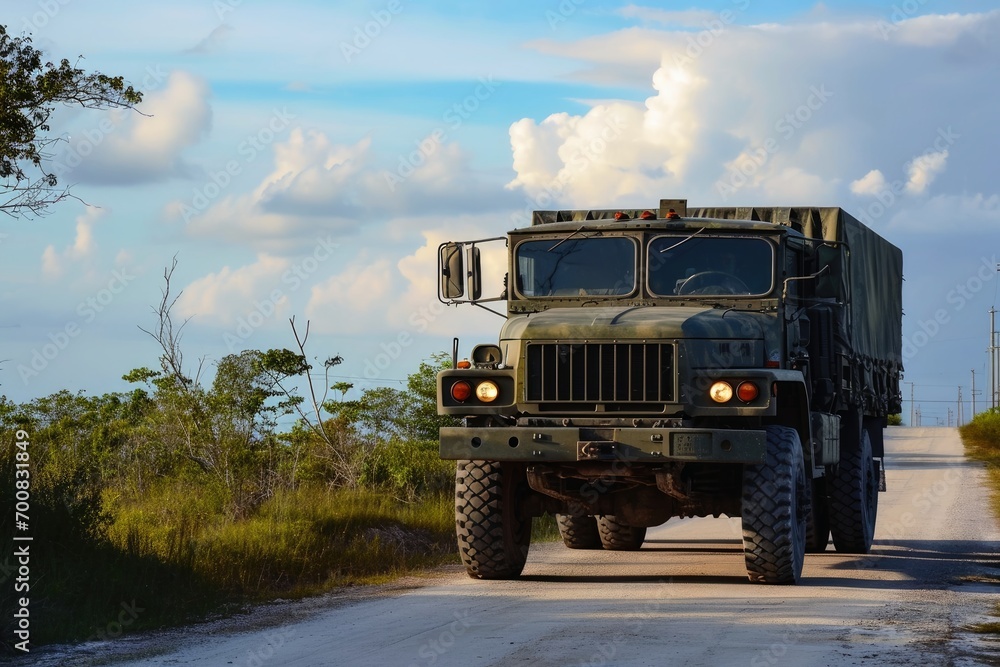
961	408
913	418
949	417
974	392
994	358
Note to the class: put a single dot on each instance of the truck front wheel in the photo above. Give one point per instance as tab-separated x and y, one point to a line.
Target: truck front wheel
775	509
493	537
579	532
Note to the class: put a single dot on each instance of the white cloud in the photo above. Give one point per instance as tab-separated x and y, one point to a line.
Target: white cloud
223	297
125	147
356	300
768	114
317	184
870	184
56	264
922	171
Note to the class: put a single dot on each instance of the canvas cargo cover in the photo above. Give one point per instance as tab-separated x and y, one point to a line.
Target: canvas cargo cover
871	286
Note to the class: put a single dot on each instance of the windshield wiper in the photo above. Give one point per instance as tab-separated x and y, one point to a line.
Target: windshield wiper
561	241
684	240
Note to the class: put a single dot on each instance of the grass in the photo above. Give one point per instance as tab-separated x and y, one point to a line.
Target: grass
982	442
298	543
172	556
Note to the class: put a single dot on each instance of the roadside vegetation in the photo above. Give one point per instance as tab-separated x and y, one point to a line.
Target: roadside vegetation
178	500
183	499
982	442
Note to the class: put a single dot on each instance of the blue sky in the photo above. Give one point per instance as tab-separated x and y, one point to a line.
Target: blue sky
305	159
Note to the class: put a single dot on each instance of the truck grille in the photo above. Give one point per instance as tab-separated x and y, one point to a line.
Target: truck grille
600	372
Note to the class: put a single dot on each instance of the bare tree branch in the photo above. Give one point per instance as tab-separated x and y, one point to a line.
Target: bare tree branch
168	337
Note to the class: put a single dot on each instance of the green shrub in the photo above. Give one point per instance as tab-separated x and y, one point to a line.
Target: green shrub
407	469
982	434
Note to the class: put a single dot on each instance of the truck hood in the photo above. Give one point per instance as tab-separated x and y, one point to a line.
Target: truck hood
705	333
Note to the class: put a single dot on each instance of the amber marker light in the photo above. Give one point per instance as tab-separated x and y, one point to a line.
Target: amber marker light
461	391
487	391
721	392
747	392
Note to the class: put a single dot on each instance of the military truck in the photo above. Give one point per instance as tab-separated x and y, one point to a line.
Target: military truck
676	362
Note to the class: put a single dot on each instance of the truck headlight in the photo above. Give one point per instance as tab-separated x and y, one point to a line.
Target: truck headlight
721	392
487	391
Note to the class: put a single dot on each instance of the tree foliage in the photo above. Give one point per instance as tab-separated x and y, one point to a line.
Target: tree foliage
30	90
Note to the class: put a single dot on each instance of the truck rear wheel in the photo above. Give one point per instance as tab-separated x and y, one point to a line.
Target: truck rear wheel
854	498
493	538
617	536
579	532
818	528
775	510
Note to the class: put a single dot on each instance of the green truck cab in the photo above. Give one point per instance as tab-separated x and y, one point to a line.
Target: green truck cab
676	363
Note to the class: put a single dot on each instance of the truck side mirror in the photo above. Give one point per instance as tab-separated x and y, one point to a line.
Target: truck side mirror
830	270
475	275
451	266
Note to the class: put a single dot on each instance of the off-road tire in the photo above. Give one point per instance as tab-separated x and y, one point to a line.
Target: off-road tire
854	498
617	536
775	510
818	526
579	532
493	538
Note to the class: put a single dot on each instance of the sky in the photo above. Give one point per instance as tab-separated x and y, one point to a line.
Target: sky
304	159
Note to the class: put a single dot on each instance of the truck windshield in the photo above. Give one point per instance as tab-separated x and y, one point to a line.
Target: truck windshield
599	266
710	265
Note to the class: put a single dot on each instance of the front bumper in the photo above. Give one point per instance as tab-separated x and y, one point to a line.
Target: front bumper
564	444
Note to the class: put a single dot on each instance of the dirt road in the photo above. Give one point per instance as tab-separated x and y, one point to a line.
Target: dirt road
684	599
